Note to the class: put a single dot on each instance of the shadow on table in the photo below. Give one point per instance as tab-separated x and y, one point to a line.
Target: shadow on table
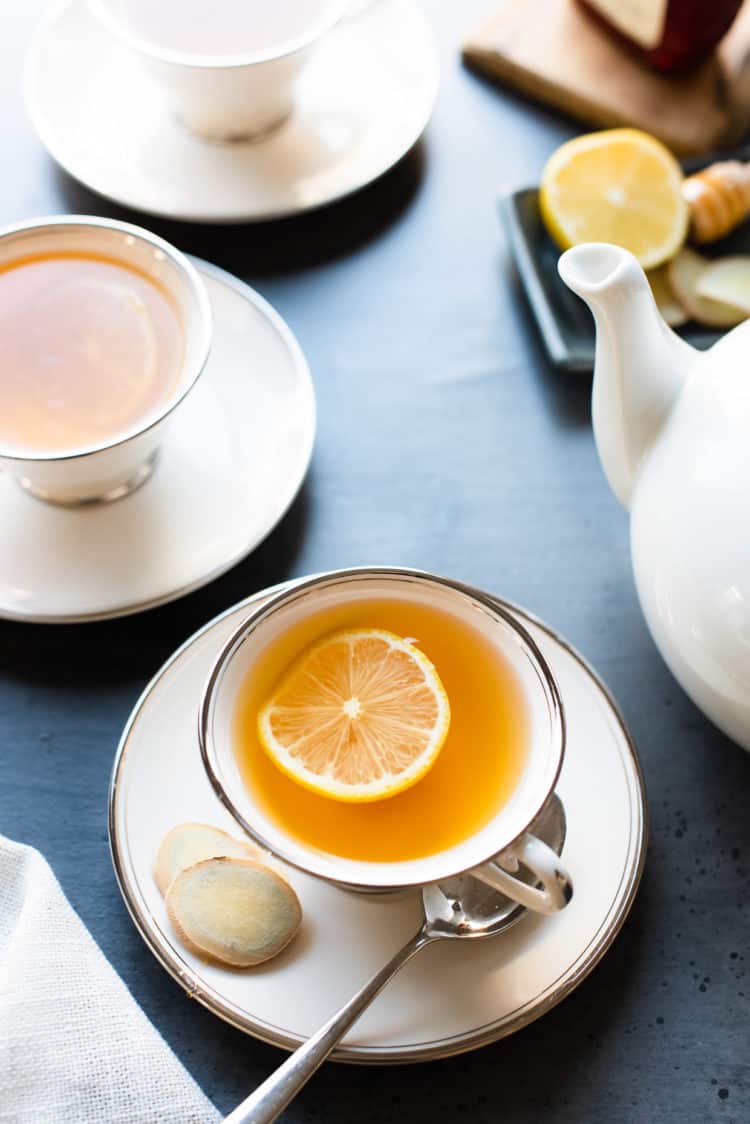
532	1075
567	395
101	652
538	1073
282	245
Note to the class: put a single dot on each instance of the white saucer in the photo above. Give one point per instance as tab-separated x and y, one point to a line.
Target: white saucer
231	464
487	989
362	103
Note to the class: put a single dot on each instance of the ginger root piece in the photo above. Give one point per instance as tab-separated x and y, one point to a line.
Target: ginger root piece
684	273
189	843
718	198
236	911
669	306
728	280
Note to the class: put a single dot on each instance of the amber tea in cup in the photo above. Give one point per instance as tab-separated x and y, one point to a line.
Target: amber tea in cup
476	771
410	642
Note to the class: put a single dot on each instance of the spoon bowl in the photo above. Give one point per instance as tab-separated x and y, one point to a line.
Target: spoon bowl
462	908
466	907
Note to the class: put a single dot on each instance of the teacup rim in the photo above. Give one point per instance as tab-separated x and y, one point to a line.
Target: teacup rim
495	605
198	290
144	46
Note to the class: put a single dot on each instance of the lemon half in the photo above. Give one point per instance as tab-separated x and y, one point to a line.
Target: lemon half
620	186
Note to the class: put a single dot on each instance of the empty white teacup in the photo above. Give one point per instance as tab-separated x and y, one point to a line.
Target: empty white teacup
228	66
495	851
110	467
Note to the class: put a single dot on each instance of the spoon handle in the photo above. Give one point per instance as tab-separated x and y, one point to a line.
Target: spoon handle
274	1094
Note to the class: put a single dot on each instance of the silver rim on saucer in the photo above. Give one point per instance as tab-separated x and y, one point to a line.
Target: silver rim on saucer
586	960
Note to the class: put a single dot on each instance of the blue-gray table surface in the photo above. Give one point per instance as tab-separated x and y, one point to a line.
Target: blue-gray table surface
445	442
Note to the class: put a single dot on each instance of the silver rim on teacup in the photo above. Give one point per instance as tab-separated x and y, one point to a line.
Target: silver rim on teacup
224	97
119	28
108	470
492	861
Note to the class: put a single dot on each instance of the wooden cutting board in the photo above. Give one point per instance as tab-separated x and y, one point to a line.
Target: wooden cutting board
551	51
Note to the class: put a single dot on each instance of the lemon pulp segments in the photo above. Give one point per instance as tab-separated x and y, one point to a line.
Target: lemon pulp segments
361	715
620	186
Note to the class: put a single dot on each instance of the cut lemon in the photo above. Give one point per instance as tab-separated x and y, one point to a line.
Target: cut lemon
361	715
621	186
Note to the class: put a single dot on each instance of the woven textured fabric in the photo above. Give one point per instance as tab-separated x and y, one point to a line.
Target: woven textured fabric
74	1045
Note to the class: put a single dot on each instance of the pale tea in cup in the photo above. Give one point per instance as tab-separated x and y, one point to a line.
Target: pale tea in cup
92	347
223	28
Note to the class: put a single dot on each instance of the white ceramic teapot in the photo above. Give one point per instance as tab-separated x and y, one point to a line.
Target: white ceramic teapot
672	428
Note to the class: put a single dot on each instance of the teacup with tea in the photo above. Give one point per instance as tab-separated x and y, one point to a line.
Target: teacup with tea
105	329
383	728
228	67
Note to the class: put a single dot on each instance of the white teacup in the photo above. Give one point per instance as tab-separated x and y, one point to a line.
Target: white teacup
110	469
494	852
241	87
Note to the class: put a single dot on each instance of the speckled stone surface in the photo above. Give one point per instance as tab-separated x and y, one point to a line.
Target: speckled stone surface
445	442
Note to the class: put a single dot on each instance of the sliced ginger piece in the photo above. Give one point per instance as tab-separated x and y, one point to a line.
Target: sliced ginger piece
727	280
685	273
236	911
669	306
189	843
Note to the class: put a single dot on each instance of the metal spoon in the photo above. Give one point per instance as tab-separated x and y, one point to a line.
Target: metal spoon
462	908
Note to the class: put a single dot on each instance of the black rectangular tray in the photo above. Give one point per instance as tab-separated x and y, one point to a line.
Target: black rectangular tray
565	323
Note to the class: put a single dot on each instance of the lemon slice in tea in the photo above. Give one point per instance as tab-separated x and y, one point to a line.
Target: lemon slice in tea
361	715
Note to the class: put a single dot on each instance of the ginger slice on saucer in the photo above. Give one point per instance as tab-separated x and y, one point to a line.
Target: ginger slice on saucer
189	843
236	911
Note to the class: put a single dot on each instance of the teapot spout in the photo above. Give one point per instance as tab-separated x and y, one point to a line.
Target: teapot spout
641	364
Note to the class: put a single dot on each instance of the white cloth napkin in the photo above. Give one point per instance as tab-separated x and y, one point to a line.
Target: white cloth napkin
75	1048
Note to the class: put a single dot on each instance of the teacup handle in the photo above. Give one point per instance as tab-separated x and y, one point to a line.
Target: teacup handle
556	885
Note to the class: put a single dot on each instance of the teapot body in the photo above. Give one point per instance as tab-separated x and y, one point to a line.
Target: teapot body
672	427
690	536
